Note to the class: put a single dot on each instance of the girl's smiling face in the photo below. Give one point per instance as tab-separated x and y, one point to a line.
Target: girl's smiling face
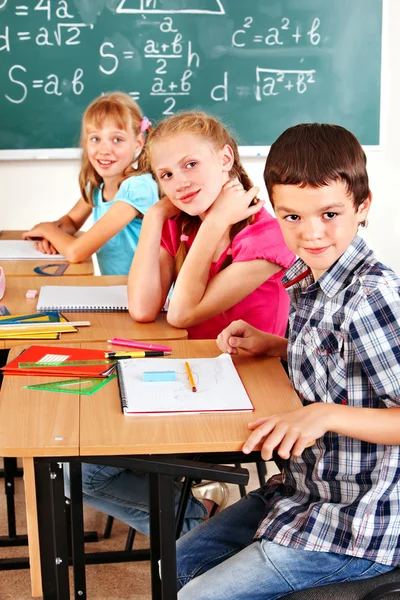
111	149
191	171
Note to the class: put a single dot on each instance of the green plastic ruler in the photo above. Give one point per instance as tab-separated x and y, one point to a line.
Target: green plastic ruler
82	386
65	363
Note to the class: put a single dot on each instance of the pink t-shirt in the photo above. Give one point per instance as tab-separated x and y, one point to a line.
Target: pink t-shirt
266	308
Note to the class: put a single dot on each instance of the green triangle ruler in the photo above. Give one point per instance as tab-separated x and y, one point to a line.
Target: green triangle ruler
84	386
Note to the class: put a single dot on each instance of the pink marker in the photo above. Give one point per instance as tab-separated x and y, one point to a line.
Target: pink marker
134	344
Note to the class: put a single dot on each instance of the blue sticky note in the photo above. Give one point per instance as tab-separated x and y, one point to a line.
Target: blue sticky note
159	376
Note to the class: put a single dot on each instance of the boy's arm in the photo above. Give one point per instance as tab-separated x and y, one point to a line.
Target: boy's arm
375	336
290	433
240	334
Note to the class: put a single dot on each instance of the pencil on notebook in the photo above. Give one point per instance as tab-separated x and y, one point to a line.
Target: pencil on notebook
190	376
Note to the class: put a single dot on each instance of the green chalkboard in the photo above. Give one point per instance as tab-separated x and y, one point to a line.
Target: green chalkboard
260	65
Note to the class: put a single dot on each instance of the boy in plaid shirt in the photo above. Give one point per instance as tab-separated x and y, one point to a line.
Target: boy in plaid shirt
332	514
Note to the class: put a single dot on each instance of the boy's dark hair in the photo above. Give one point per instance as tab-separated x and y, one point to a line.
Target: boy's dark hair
316	154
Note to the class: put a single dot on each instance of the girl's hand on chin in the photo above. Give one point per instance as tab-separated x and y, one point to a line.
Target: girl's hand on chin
166	207
233	203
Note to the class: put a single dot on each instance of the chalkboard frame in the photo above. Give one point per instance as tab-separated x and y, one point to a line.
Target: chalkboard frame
49	154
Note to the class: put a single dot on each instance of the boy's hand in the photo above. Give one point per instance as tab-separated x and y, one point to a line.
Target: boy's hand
289	433
240	334
233	204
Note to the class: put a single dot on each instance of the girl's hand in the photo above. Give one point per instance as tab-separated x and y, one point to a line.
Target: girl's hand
45	247
39	230
234	203
240	334
165	207
289	433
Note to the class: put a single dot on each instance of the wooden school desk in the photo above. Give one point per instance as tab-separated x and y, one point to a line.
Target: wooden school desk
35	425
103	325
24	268
104	431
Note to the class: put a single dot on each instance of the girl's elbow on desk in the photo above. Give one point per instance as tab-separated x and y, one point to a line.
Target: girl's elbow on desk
180	319
74	255
142	314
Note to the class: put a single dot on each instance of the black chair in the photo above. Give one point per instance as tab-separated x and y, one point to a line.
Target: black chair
383	587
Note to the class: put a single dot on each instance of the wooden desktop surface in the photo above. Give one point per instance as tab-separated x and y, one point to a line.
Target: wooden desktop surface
30	420
104	430
103	325
24	268
31	423
37	423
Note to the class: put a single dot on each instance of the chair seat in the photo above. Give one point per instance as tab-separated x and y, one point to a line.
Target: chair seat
352	590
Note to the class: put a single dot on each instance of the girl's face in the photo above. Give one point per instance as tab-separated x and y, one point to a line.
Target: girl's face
191	172
111	150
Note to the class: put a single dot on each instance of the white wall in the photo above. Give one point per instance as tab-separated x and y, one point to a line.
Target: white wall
34	191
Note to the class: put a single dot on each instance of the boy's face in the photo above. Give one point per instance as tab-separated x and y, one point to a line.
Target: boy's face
318	224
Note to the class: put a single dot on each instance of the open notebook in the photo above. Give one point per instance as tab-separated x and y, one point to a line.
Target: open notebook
24	250
70	298
219	387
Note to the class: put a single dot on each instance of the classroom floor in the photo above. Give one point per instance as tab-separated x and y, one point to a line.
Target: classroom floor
118	581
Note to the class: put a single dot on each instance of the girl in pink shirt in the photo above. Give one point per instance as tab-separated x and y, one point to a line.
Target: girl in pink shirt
225	256
208	235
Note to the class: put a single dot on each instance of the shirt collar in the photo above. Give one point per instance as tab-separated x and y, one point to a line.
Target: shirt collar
299	277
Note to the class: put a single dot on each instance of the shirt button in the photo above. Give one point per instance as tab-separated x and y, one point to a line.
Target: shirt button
322	348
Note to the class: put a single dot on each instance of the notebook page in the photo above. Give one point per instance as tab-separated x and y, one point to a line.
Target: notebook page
219	387
24	250
83	298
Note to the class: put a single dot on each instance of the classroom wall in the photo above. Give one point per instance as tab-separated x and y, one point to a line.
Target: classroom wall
34	191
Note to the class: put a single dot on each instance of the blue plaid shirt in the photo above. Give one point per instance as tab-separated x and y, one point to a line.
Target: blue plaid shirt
342	495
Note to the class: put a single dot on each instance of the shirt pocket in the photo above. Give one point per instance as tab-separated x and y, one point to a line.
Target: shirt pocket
322	370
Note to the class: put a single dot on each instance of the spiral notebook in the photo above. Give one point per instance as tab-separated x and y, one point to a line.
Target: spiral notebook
219	387
24	250
69	298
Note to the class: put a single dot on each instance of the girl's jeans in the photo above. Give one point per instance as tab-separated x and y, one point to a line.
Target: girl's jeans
124	494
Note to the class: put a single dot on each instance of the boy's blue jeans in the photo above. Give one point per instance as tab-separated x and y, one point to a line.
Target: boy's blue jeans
219	560
124	494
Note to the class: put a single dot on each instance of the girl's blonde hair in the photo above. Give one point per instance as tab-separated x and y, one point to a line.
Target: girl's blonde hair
123	111
212	131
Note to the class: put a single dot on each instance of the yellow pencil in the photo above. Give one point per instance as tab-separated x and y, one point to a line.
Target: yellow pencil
190	375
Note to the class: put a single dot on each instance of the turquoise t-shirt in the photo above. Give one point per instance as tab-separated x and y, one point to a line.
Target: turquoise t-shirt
116	255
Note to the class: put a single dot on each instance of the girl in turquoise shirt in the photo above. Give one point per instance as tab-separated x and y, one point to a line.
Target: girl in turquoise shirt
112	137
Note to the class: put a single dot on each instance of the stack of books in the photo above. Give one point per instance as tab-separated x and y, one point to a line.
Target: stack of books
37	326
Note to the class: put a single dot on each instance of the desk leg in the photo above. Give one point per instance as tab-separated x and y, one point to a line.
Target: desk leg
52	530
166	498
32	527
77	531
154	537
